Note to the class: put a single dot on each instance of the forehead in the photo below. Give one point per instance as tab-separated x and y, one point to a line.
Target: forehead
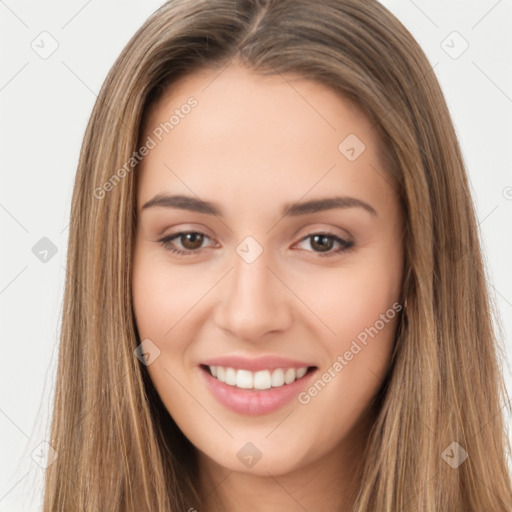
258	136
227	96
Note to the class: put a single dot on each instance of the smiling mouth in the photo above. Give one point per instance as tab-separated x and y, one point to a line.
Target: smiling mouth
257	381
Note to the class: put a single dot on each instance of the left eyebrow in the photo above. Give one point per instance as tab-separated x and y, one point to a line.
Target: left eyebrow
327	203
290	209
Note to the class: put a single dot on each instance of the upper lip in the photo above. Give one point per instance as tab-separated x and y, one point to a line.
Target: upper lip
255	364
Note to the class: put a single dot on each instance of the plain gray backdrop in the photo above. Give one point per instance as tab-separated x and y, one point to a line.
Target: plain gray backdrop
54	58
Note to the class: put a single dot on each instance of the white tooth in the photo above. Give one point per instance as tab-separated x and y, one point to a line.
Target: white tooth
289	376
244	379
301	372
277	378
230	376
221	373
262	380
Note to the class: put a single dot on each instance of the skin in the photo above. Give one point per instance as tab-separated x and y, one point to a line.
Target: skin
250	145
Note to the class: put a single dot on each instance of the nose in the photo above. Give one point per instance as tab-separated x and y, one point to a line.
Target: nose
253	300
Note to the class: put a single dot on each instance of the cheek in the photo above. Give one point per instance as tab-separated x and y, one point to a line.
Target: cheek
358	314
161	296
344	302
161	300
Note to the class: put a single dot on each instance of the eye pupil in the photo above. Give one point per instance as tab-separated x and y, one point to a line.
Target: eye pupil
192	237
323	244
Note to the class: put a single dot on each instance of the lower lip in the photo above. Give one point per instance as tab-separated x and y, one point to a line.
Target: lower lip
254	402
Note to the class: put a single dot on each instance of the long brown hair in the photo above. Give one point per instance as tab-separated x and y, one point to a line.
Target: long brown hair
118	448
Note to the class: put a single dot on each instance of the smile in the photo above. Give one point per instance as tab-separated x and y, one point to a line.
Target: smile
270	384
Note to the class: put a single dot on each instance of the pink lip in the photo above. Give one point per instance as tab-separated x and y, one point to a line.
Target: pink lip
255	402
255	364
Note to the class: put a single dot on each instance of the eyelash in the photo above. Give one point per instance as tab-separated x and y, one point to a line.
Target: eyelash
345	246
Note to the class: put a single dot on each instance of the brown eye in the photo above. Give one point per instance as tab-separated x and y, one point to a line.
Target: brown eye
323	243
192	241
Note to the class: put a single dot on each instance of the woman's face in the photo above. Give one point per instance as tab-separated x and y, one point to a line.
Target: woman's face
266	288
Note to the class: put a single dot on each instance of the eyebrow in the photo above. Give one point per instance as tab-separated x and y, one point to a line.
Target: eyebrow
290	209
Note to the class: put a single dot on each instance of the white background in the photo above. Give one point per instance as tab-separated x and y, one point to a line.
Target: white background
45	105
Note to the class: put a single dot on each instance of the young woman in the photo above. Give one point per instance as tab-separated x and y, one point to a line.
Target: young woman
275	296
